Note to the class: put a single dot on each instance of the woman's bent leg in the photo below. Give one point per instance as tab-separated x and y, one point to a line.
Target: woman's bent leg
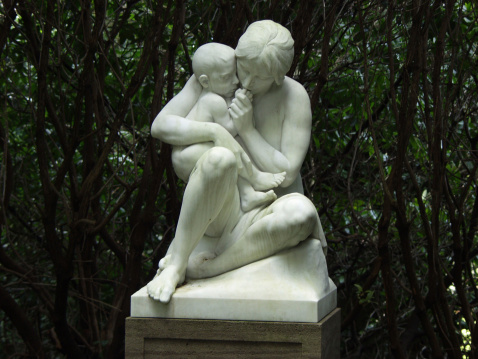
288	221
211	184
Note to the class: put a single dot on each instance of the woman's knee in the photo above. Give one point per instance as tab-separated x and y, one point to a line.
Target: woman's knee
299	211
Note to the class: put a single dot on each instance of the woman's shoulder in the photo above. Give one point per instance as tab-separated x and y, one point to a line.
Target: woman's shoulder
296	88
291	93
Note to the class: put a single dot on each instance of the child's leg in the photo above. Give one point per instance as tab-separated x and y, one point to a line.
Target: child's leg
251	198
261	181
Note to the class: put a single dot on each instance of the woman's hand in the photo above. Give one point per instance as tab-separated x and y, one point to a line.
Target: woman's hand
222	138
241	111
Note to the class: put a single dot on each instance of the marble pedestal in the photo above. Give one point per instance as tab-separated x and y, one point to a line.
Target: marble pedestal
292	286
189	338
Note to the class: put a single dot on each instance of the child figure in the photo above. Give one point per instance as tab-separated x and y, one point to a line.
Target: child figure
214	66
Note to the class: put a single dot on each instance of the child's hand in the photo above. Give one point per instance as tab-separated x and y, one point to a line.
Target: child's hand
245	92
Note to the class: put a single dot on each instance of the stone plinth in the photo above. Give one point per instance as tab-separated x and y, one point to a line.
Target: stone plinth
189	338
292	286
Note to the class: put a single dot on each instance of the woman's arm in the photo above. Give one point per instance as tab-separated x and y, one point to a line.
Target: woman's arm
295	132
171	126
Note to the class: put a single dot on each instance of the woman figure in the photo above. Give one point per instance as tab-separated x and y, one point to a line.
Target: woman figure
274	130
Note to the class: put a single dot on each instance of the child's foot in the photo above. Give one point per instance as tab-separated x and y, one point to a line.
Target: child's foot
264	180
255	199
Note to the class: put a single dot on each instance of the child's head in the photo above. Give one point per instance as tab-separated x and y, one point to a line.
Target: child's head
215	68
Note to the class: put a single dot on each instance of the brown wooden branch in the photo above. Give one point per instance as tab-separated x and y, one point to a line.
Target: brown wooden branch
22	323
411	75
324	62
384	222
410	266
152	41
6	175
300	29
143	219
100	224
374	272
9	11
437	156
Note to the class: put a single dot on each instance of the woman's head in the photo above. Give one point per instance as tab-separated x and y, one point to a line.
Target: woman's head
267	47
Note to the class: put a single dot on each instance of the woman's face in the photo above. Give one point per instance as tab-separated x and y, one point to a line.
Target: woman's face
253	76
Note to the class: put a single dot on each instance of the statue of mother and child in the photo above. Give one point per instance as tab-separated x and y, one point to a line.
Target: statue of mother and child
240	130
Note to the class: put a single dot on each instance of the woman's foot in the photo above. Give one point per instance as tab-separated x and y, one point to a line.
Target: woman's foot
164	284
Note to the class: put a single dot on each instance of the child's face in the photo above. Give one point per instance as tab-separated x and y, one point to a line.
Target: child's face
223	81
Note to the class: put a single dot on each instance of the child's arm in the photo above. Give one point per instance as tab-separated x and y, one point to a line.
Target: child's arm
217	108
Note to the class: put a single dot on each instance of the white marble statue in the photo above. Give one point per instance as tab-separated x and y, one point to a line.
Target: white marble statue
228	155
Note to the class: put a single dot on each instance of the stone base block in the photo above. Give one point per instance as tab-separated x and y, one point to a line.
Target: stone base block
190	338
292	286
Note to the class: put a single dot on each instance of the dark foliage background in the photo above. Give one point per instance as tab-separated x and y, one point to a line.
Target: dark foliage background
89	200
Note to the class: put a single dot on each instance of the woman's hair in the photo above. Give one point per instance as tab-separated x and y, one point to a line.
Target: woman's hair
270	44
